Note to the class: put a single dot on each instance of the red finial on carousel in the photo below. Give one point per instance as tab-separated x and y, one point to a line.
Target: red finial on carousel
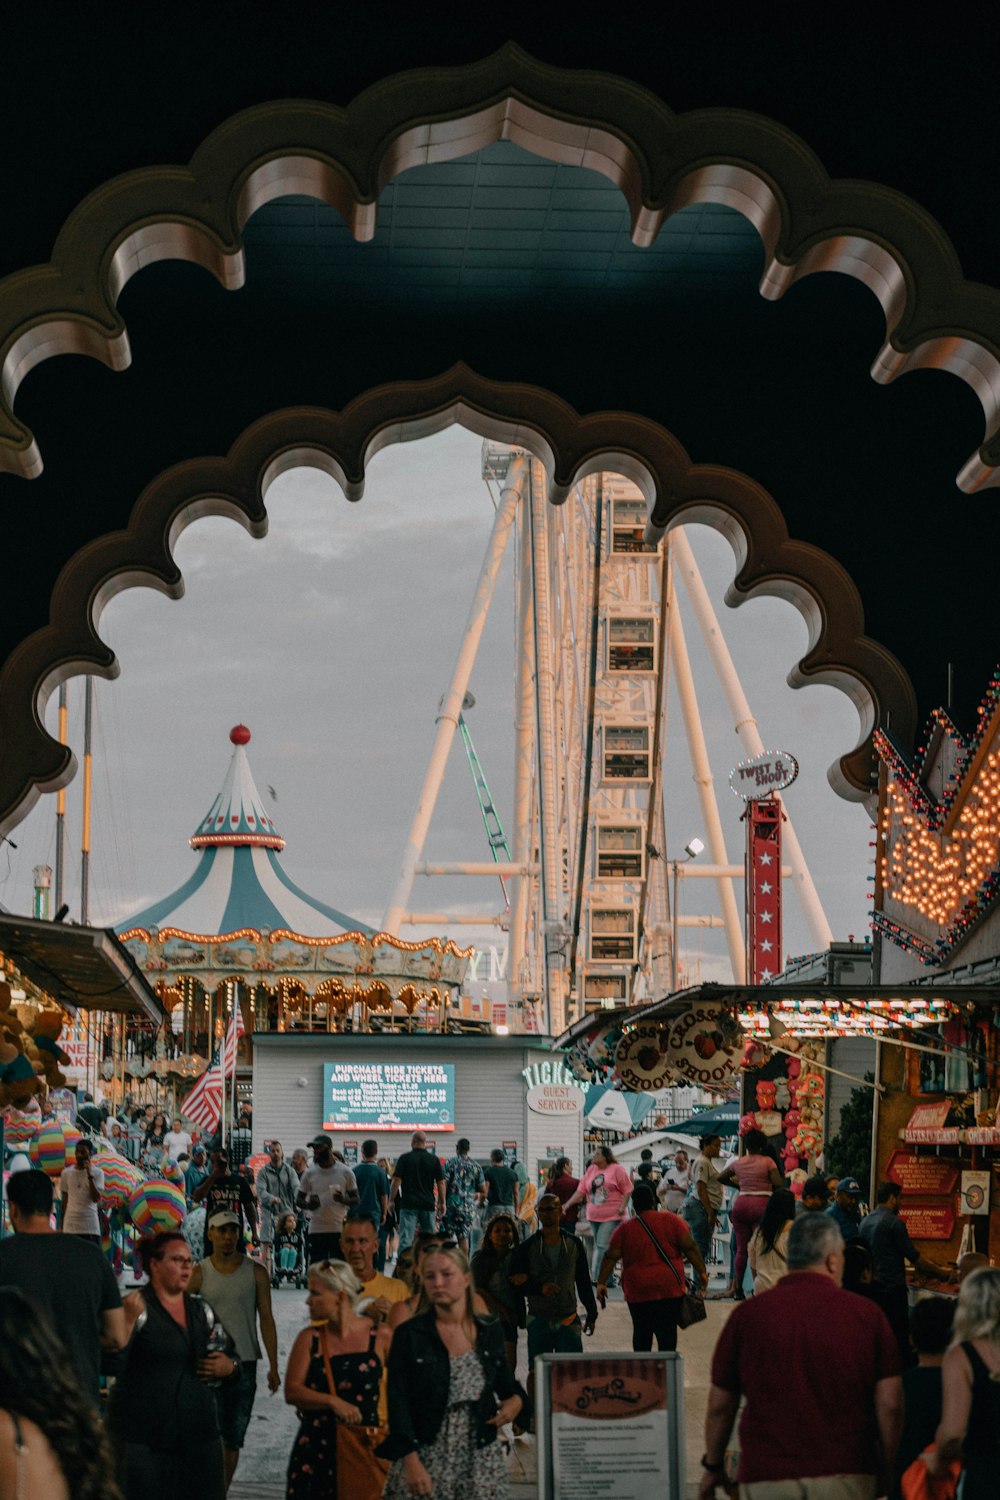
240	735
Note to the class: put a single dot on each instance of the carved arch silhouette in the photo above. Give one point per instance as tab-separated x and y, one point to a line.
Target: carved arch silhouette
659	160
340	444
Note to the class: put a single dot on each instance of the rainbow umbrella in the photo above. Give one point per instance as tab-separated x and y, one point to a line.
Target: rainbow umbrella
121	1177
20	1127
157	1204
72	1136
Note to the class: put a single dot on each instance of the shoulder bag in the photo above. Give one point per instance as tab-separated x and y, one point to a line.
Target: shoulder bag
360	1473
692	1305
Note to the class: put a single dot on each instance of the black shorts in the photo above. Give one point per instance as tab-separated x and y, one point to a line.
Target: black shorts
323	1247
234	1403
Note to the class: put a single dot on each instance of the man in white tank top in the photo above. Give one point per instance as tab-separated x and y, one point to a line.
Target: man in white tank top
238	1291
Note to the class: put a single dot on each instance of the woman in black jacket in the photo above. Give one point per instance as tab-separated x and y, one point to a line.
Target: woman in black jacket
446	1370
162	1413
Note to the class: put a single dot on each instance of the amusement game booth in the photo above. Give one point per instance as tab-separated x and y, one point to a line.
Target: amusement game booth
935	1079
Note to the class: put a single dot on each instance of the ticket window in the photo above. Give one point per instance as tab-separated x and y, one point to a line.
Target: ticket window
620	851
612	934
626	752
628	524
631	643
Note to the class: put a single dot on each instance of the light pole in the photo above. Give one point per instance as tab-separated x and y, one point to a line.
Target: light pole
691	851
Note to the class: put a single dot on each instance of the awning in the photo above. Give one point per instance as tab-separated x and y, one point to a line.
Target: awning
722	1117
79	968
615	1109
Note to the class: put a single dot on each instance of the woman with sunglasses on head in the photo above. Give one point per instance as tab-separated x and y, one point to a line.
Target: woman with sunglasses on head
450	1391
333	1375
162	1413
425	1241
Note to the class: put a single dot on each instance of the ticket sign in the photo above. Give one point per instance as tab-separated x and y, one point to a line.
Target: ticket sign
928	1221
609	1429
388	1096
927	1176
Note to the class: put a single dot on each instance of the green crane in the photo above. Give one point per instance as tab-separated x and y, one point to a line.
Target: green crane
494	831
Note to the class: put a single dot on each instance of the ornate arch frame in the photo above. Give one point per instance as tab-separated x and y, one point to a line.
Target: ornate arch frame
340	444
661	162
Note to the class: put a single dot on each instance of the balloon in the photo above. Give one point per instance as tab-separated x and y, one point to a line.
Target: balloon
72	1136
121	1177
172	1171
157	1204
48	1149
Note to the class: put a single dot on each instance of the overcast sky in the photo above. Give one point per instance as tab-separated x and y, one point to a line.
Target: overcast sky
333	640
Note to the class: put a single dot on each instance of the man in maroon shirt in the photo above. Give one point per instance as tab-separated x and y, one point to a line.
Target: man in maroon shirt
821	1374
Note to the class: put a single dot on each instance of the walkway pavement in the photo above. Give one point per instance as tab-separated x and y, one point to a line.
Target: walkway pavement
261	1473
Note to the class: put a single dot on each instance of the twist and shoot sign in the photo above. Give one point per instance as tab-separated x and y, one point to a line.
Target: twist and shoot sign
757	781
763	775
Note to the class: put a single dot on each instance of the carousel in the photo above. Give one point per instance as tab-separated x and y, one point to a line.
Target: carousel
240	933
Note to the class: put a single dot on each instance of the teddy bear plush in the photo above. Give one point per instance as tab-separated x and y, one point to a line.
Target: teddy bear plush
782	1096
43	1050
18	1080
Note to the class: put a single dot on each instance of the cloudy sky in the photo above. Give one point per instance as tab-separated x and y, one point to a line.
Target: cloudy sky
333	640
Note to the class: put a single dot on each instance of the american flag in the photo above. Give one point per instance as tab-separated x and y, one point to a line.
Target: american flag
234	1031
204	1103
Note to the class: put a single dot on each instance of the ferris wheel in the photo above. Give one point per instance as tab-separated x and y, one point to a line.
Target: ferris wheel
590	896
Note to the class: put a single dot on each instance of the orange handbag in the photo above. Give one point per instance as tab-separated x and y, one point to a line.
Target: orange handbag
361	1475
917	1482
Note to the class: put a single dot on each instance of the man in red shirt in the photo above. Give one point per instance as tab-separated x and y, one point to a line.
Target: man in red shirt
821	1374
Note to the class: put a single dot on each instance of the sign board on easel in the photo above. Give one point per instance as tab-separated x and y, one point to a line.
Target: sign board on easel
610	1428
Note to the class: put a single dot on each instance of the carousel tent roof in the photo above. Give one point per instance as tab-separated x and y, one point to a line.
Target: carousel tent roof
239	881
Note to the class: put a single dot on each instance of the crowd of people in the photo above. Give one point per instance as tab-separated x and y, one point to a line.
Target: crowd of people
403	1382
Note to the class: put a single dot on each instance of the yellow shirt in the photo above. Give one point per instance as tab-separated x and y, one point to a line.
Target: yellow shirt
393	1290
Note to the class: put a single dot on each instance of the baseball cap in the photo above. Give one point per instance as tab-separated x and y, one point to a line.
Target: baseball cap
849	1185
197	1150
223	1217
320	1140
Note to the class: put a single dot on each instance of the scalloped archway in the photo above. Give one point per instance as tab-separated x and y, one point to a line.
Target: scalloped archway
661	162
340	444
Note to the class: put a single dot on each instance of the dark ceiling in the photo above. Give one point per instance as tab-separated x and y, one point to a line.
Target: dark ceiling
525	271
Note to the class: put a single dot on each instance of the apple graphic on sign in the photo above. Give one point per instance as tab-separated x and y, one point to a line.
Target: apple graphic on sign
706	1045
647	1058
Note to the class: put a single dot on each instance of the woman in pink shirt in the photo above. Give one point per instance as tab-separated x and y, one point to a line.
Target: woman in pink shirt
606	1186
756	1175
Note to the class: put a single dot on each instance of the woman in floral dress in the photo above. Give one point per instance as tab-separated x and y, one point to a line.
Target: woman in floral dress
446	1371
356	1352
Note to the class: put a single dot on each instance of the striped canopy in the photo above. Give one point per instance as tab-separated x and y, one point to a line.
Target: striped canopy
239	882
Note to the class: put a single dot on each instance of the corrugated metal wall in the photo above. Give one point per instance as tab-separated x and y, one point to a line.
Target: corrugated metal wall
489	1091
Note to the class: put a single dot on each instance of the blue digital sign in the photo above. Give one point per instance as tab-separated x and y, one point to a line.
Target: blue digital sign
389	1096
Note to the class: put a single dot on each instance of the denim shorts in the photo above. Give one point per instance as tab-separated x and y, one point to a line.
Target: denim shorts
234	1403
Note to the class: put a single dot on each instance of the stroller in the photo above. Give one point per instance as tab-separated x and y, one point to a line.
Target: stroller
288	1253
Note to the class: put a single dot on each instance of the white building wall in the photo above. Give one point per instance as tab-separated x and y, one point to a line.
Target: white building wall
489	1089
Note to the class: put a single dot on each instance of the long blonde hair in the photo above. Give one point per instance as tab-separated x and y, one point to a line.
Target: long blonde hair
460	1260
977	1315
